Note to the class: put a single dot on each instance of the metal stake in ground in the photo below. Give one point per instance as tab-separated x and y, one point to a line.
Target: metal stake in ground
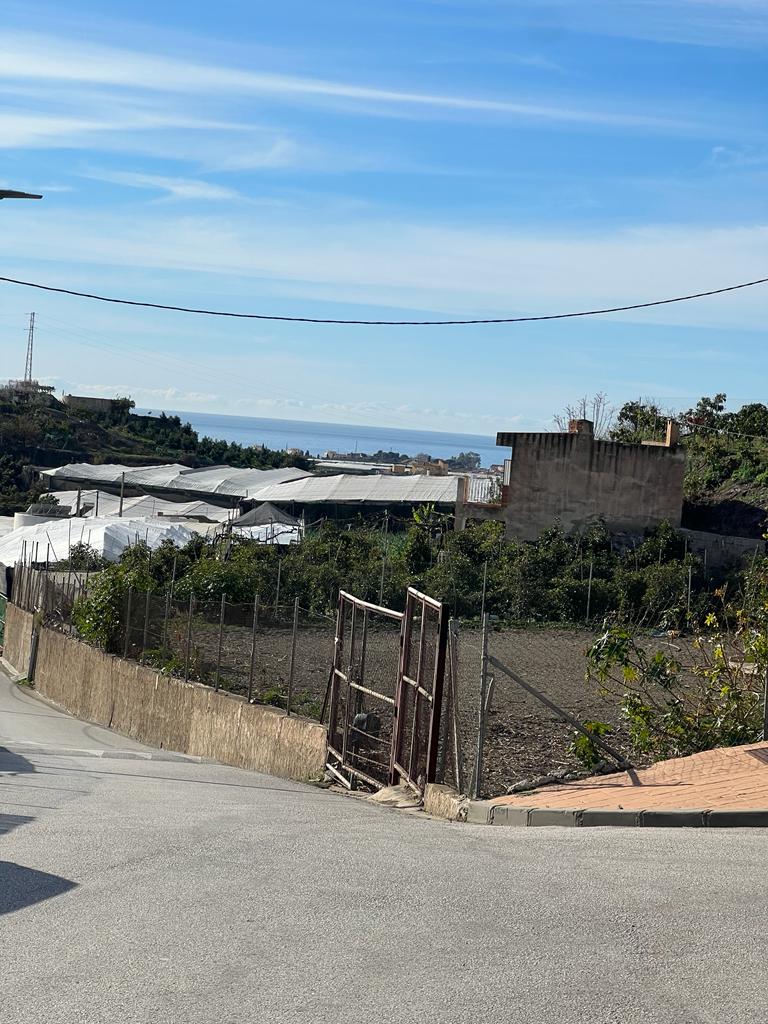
189	639
221	639
127	639
383	559
453	661
253	646
481	712
293	656
145	634
589	588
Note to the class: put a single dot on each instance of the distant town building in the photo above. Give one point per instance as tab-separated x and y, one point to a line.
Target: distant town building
25	391
90	403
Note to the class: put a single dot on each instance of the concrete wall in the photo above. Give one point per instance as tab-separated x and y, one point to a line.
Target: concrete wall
18	635
574	478
722	549
164	712
92	403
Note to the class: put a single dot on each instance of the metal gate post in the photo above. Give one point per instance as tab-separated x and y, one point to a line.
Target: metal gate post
437	697
477	782
399	721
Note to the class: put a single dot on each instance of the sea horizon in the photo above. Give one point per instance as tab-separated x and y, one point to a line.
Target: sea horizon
317	438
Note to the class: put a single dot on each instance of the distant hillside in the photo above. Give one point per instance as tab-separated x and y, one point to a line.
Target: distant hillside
46	433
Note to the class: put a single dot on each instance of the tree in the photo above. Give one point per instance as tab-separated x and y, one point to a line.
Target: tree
708	412
465	460
596	409
639	421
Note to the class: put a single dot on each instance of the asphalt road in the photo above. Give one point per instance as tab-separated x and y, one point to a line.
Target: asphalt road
134	889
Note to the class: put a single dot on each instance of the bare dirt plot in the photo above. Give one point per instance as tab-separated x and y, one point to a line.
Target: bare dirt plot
524	739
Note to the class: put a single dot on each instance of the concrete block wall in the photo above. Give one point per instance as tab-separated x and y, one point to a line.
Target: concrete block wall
574	478
165	712
18	637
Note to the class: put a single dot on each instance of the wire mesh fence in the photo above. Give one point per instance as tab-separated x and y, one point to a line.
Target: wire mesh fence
277	655
283	655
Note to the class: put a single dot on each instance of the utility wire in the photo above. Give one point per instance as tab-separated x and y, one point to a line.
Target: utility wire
382	323
692	425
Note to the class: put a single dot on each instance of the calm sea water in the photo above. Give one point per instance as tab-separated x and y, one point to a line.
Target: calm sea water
340	437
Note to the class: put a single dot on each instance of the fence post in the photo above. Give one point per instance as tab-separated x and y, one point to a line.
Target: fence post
166	614
145	633
383	559
478	780
589	588
253	646
126	639
189	639
453	662
690	580
293	656
221	639
485	588
277	591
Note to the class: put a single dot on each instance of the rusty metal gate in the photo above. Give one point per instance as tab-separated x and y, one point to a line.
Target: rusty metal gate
386	692
419	690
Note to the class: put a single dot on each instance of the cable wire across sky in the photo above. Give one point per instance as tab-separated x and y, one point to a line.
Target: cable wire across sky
383	323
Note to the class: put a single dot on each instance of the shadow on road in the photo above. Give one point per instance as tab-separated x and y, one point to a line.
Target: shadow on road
14	764
21	887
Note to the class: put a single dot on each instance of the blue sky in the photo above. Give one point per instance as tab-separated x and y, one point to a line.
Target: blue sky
407	159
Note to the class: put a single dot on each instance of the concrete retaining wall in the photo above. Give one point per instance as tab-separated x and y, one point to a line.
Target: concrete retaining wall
18	635
575	478
164	712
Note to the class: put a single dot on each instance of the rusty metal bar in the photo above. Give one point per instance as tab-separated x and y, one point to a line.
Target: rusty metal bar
145	632
413	756
253	646
189	639
127	638
350	666
425	599
372	693
338	650
484	658
398	723
221	640
433	740
458	754
292	671
358	602
561	712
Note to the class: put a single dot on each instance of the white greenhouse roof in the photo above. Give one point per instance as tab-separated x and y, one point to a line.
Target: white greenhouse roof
225	480
361	489
145	505
109	537
238	483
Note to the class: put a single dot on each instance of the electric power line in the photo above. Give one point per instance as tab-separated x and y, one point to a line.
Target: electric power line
720	431
383	323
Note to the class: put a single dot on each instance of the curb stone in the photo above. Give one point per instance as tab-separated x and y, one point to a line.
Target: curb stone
484	812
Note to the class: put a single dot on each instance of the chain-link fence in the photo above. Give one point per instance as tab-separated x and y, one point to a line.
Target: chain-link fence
283	655
275	654
271	654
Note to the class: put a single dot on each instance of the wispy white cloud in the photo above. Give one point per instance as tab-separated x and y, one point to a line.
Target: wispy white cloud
378	263
178	188
739	157
739	24
29	57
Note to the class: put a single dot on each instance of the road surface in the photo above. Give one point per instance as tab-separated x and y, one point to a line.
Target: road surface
138	890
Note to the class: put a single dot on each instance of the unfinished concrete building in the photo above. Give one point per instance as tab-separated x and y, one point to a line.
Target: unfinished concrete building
575	478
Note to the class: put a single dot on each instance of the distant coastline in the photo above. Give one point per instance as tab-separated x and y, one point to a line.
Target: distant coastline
317	438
